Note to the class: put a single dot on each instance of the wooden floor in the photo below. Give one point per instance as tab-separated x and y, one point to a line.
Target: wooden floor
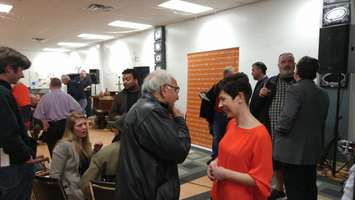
189	189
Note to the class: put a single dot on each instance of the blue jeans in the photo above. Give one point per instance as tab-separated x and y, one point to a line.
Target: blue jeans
16	182
83	103
220	121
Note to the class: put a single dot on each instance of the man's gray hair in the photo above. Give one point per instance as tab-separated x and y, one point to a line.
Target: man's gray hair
65	77
287	54
155	80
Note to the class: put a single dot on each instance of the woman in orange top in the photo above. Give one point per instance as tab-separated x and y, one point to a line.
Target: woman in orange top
243	168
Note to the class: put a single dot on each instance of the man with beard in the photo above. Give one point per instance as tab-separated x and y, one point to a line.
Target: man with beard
155	138
274	92
124	100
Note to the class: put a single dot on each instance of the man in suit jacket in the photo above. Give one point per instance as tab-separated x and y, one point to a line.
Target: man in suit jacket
299	131
257	103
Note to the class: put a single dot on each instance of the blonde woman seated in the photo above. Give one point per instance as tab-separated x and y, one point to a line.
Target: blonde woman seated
243	168
71	155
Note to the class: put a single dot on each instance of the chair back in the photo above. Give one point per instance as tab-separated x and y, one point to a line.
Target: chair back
46	188
102	190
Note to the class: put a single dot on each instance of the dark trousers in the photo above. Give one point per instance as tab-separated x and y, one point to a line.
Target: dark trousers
54	133
16	182
220	121
300	182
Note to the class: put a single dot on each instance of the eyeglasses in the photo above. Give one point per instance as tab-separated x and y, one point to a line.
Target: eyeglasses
176	88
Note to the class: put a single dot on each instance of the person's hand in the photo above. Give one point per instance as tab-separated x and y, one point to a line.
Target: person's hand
97	146
219	173
45	125
39	159
264	91
177	112
210	168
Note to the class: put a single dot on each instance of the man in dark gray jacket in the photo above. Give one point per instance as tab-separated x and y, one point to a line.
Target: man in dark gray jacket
17	150
299	131
154	140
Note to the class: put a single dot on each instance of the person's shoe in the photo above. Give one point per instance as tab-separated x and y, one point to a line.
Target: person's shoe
276	194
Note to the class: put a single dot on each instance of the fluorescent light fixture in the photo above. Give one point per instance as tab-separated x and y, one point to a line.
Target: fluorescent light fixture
95	37
132	25
72	44
184	6
56	50
5	8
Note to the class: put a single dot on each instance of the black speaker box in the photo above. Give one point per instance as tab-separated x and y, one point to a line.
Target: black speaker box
74	76
95	76
142	72
336	49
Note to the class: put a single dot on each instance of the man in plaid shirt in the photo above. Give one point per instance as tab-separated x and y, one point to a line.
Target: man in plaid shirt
274	92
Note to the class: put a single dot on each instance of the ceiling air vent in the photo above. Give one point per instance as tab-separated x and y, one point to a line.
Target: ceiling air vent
36	39
99	8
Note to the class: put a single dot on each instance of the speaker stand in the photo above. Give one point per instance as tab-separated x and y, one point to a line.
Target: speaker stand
332	145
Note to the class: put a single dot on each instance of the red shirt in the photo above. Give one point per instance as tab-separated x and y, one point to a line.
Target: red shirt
21	94
246	151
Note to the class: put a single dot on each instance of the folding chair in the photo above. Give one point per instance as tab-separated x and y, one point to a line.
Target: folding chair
101	190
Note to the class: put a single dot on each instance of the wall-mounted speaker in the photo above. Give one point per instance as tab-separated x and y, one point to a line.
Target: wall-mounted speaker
159	47
95	76
332	80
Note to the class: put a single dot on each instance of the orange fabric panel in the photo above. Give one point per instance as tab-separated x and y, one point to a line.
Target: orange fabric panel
204	70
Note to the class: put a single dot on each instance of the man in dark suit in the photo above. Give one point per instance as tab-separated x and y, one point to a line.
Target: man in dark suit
257	103
299	130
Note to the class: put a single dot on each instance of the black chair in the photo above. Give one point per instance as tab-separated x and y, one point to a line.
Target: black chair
101	190
46	188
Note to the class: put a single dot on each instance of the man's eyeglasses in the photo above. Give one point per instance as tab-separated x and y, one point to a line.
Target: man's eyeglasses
176	88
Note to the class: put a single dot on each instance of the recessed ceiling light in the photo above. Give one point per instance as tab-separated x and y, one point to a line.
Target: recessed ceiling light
132	25
72	44
94	36
184	6
5	8
56	50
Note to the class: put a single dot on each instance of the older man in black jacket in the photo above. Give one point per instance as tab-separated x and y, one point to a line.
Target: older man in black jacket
154	140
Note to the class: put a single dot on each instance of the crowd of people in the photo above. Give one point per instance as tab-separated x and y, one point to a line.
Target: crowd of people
273	130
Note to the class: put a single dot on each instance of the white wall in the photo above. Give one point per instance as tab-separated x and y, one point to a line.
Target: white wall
46	65
127	52
262	31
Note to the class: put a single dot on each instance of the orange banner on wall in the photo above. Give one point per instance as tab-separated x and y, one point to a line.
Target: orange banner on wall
204	70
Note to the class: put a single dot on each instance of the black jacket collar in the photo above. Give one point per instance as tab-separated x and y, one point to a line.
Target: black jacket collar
5	84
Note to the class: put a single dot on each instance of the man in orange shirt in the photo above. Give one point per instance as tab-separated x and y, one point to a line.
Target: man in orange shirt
22	97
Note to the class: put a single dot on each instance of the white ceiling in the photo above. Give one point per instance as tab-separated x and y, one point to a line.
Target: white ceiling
62	20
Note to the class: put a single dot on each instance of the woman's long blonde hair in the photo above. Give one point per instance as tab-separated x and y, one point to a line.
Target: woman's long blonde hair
83	147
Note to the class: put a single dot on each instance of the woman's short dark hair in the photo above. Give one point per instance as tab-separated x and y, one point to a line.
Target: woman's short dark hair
307	67
236	83
15	59
261	66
